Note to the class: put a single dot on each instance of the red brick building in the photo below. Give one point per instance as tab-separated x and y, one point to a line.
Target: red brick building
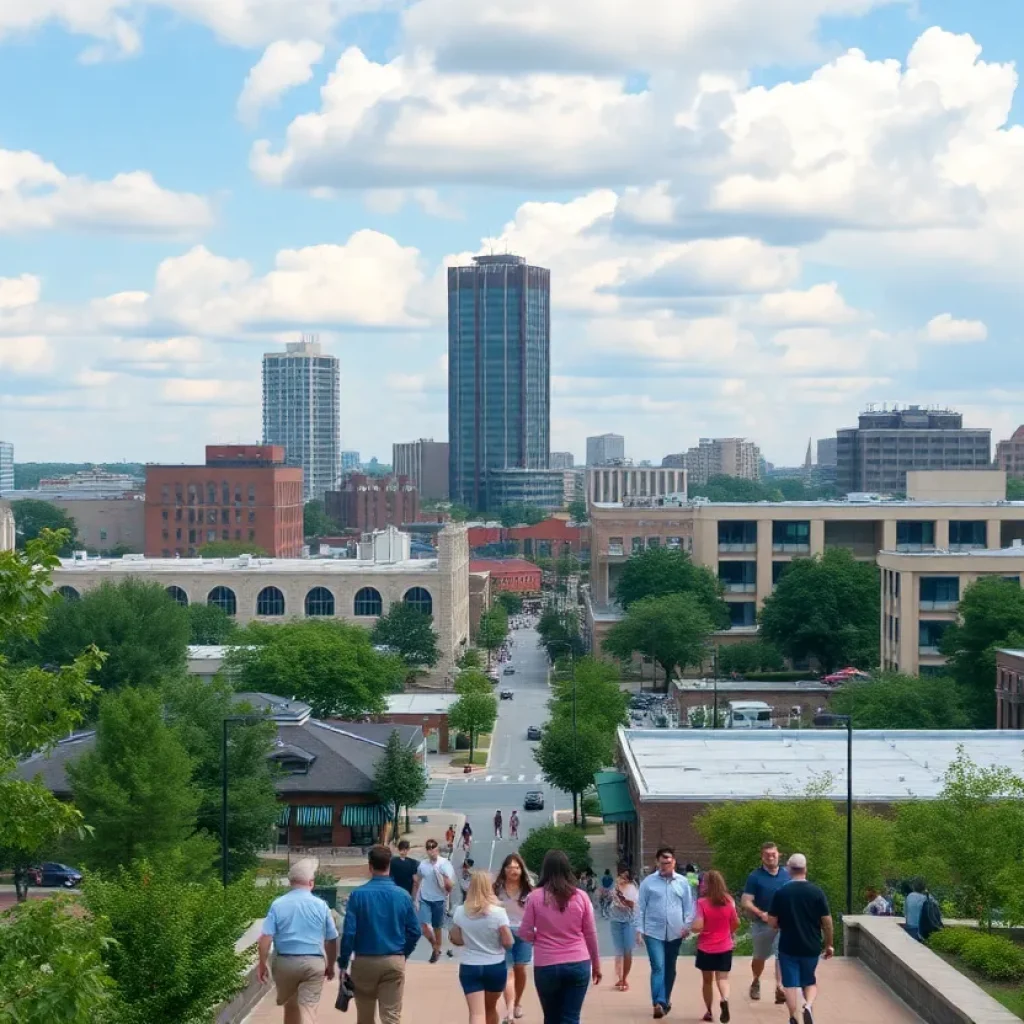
1009	689
368	503
510	574
550	539
243	493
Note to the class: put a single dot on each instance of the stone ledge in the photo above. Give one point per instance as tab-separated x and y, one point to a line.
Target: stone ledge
923	980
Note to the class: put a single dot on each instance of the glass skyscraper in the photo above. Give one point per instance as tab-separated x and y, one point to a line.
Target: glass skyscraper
499	372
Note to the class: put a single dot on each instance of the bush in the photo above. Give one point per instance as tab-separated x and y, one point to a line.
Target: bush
994	956
951	940
556	837
592	806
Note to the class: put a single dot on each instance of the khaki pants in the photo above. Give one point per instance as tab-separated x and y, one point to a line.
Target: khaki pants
378	979
299	980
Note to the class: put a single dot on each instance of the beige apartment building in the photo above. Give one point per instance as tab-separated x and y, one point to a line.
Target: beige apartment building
1010	454
723	456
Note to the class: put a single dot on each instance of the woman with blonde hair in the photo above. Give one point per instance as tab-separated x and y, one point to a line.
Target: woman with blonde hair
715	925
481	927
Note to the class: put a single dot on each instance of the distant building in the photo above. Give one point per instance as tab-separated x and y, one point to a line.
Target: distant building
425	463
874	456
619	483
605	449
544	488
368	503
674	461
92	481
302	412
243	493
6	467
1009	454
512	575
827	452
723	456
7	535
561	460
350	461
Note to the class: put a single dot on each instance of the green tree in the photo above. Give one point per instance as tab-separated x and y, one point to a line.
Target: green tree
659	572
472	714
459	513
330	665
196	708
135	786
231	549
560	632
521	514
1014	489
493	630
673	630
594	689
826	608
210	624
569	758
472	680
991	615
756	656
732	488
578	511
316	522
903	702
512	603
143	632
399	779
567	838
32	517
409	632
471	659
173	955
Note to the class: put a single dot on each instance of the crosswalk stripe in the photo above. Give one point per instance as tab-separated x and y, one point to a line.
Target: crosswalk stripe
521	778
488	779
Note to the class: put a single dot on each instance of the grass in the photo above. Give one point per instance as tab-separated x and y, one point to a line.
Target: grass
1008	994
272	867
479	758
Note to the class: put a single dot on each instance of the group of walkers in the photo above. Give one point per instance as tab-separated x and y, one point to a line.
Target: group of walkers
466	837
506	922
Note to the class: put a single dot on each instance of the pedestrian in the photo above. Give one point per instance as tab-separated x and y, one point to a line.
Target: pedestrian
449	840
467	837
624	897
762	883
481	927
404	869
559	922
436	880
665	909
715	924
466	876
877	905
513	824
604	900
300	928
799	910
512	887
497	824
912	907
382	931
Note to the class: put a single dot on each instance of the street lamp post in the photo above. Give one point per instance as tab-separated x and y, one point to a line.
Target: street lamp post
228	719
847	720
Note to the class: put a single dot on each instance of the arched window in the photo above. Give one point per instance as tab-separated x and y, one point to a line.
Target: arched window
420	599
179	595
69	593
223	597
319	601
368	602
270	601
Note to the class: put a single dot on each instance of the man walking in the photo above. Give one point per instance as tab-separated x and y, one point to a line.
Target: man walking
497	824
381	930
762	884
404	869
800	912
436	878
300	928
665	909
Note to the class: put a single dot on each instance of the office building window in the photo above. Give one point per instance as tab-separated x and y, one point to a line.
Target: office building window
968	534
939	591
368	602
319	602
420	599
914	536
742	613
270	601
179	595
223	598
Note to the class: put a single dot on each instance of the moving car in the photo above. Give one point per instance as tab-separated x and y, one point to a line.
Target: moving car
534	800
506	695
509	671
51	873
533	732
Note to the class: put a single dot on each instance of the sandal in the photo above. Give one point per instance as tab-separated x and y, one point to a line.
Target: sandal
517	1013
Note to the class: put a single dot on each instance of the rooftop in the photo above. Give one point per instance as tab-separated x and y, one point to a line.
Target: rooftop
502	565
752	686
244	564
421	703
997	553
833	503
701	765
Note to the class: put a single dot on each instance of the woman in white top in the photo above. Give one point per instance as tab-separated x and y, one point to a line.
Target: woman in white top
512	886
480	926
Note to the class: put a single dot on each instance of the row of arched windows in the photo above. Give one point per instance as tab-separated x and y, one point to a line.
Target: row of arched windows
319	601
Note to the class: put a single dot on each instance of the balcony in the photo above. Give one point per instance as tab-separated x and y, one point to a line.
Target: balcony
727	548
794	548
739	588
939	606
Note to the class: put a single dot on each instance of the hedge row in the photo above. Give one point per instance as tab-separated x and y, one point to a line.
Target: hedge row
993	956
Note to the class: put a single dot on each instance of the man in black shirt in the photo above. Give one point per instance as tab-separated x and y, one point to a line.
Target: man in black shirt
404	869
800	912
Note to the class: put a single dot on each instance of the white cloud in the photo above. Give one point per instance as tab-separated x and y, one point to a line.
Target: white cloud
945	329
29	355
283	66
17	292
394	200
184	391
819	305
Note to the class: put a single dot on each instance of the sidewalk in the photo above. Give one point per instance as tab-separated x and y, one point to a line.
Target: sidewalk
849	994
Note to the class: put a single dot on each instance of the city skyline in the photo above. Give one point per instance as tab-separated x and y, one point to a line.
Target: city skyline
703	285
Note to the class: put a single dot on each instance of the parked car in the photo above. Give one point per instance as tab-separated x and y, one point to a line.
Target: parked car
509	671
533	732
506	694
534	800
52	874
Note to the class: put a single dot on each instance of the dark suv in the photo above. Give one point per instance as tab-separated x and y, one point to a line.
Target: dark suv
534	800
533	732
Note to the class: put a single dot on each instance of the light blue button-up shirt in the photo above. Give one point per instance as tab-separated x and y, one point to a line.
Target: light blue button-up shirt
665	906
299	922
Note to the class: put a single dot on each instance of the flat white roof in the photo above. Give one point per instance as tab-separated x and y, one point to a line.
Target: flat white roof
1012	651
207	652
708	686
263	566
699	765
836	503
421	703
1011	552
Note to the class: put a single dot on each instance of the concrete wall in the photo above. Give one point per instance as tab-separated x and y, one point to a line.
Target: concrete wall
105	524
956	484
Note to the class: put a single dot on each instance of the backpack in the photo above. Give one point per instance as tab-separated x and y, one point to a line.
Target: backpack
931	918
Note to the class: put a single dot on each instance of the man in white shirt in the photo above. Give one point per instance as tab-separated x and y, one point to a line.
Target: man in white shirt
436	878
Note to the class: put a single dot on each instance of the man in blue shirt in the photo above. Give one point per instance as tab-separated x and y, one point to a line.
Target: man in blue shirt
665	909
301	930
762	884
382	929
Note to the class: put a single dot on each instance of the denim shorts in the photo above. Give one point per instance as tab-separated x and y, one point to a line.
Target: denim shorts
432	913
797	971
623	937
483	977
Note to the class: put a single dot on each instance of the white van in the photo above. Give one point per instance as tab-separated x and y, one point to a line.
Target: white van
749	714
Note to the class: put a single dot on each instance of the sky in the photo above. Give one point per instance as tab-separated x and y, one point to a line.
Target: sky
759	218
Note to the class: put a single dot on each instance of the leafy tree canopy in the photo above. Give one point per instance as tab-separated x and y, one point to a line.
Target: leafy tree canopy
32	517
578	511
399	780
231	549
471	659
569	761
512	603
756	656
521	514
316	522
210	624
659	571
473	713
1014	489
903	702
826	608
493	628
409	632
594	685
567	838
473	680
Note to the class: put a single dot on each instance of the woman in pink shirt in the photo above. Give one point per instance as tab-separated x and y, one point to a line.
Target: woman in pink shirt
558	920
715	924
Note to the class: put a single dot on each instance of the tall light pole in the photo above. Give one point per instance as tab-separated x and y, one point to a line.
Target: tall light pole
847	720
228	719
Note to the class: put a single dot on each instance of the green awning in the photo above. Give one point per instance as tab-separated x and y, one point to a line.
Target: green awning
314	815
366	815
282	818
613	794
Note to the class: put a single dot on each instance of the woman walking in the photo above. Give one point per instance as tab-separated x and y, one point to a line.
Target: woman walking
512	887
480	926
715	924
624	897
559	921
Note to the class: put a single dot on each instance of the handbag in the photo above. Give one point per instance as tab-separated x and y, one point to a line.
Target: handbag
345	993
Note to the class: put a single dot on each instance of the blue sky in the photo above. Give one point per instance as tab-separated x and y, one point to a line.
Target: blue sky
757	221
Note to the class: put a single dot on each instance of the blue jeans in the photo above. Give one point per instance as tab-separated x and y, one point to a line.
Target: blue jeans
562	989
664	955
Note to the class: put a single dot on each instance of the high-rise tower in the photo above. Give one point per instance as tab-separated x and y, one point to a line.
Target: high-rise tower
499	372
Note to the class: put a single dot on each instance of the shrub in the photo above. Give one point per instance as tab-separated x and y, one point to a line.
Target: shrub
951	940
994	956
556	837
592	806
